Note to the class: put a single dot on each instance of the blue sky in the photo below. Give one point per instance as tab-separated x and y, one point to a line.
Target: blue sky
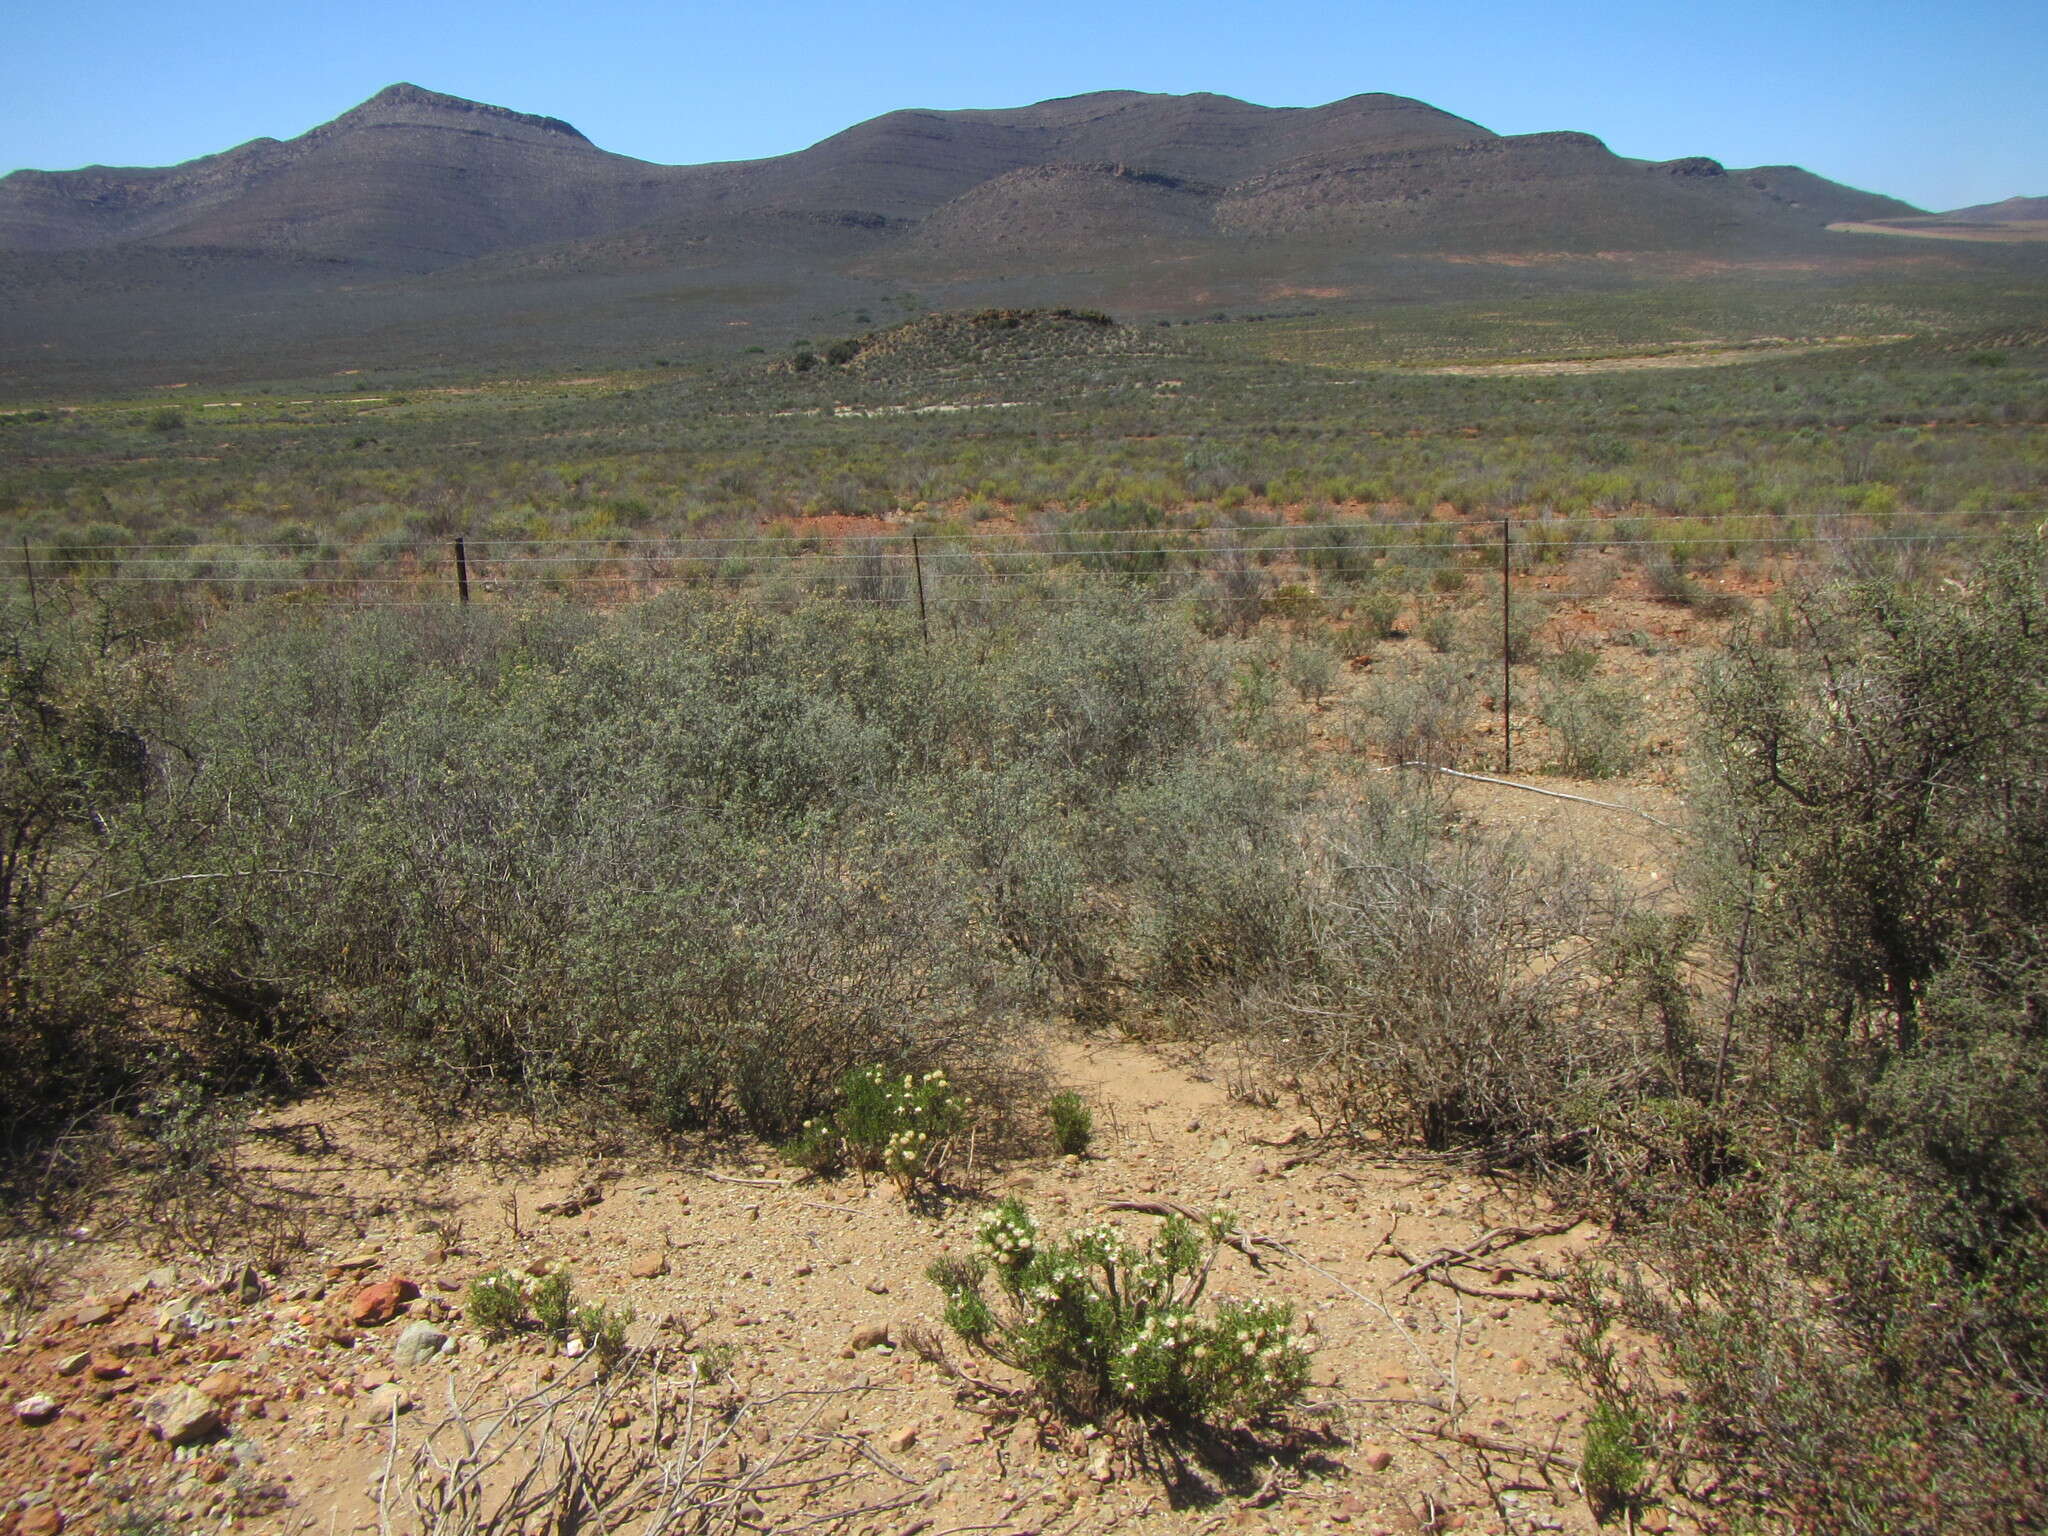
1943	105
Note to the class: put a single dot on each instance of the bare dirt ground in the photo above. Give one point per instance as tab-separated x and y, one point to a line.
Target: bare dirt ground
766	1395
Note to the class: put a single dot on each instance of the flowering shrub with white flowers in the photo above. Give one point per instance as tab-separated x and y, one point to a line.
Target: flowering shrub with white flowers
1103	1325
895	1124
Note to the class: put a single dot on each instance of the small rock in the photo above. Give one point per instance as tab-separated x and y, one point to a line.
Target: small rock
1520	1366
379	1303
802	1271
39	1409
71	1365
108	1368
160	1279
245	1285
182	1416
224	1386
651	1265
91	1314
1378	1458
873	1336
362	1258
1099	1468
376	1408
419	1343
878	1287
43	1520
902	1439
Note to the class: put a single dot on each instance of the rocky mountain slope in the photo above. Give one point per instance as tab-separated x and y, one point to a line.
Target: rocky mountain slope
417	180
411	214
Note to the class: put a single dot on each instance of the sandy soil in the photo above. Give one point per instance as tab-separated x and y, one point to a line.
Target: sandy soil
750	1298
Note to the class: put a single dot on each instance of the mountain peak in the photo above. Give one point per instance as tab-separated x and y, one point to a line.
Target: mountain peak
405	103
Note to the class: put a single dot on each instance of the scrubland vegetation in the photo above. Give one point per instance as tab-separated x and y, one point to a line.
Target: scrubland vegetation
735	862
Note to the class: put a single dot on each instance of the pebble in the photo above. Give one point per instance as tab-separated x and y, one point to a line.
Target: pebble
902	1439
419	1343
39	1409
377	1407
870	1336
71	1365
651	1265
182	1416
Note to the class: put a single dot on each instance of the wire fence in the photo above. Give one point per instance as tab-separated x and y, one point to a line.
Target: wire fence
1238	573
1549	559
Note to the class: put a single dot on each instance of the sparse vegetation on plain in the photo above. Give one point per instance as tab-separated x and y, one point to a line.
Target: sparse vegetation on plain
796	840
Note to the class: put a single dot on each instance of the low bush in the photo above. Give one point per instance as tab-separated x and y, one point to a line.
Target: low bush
1594	724
1073	1123
1422	714
898	1125
502	1302
1104	1327
1447	995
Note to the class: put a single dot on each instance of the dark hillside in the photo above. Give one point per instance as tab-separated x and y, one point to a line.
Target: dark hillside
421	227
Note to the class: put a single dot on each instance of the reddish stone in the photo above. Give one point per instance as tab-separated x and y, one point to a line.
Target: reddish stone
224	1386
379	1303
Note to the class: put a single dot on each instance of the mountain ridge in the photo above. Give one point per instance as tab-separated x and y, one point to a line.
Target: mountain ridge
417	179
438	222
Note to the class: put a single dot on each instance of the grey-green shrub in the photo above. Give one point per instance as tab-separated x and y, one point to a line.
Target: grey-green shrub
1595	724
1418	714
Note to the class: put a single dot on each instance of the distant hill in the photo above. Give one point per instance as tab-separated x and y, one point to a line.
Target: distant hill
430	221
2014	210
2016	221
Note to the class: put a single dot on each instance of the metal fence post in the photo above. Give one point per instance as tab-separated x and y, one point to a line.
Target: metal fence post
917	564
1507	674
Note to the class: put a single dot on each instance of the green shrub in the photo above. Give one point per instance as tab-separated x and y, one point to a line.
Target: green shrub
898	1125
551	1299
1073	1123
602	1330
495	1303
1103	1327
1611	1465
